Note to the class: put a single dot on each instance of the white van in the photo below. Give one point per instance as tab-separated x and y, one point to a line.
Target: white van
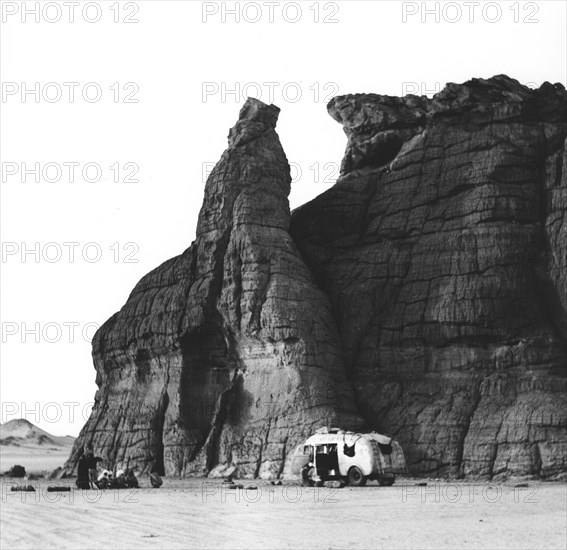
354	457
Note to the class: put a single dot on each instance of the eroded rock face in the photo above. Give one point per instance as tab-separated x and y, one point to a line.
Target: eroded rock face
423	296
227	354
443	249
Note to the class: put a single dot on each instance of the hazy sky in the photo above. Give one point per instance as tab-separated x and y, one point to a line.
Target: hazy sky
150	110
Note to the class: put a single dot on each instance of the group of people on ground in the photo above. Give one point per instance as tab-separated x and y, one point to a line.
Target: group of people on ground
88	476
120	480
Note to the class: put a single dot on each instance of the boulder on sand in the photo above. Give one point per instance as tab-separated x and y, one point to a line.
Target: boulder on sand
16	471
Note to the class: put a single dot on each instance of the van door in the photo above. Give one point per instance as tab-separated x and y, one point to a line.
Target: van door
327	461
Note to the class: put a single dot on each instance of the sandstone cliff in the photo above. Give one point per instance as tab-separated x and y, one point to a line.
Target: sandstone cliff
424	296
443	249
227	354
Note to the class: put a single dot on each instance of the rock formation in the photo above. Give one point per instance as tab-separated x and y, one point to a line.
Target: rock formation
424	296
227	354
443	249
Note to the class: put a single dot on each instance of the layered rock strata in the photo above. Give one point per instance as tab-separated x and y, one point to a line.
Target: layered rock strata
227	354
423	296
443	249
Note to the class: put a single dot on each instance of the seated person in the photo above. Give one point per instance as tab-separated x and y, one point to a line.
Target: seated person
131	479
155	479
92	462
104	480
120	480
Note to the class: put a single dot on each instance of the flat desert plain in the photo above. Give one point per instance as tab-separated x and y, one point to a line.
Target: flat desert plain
203	513
27	445
36	461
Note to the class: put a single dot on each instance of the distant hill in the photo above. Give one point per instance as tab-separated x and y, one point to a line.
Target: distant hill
22	433
38	451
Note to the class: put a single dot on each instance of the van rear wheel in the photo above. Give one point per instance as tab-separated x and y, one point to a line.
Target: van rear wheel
356	478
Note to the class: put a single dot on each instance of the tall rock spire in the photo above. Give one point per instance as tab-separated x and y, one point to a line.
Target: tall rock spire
227	354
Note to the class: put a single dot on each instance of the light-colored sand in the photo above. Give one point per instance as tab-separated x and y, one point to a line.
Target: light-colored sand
31	447
202	514
35	460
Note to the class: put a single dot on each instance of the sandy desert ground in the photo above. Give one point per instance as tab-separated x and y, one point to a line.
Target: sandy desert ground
36	461
201	513
27	445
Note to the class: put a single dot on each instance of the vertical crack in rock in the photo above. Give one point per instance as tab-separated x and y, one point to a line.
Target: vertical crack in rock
465	431
163	405
213	439
284	456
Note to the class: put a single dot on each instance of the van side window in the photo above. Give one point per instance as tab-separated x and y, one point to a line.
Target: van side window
349	450
308	450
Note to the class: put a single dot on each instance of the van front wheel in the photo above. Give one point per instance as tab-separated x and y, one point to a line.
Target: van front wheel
356	478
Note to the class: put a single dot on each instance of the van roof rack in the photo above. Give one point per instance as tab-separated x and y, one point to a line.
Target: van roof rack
329	430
